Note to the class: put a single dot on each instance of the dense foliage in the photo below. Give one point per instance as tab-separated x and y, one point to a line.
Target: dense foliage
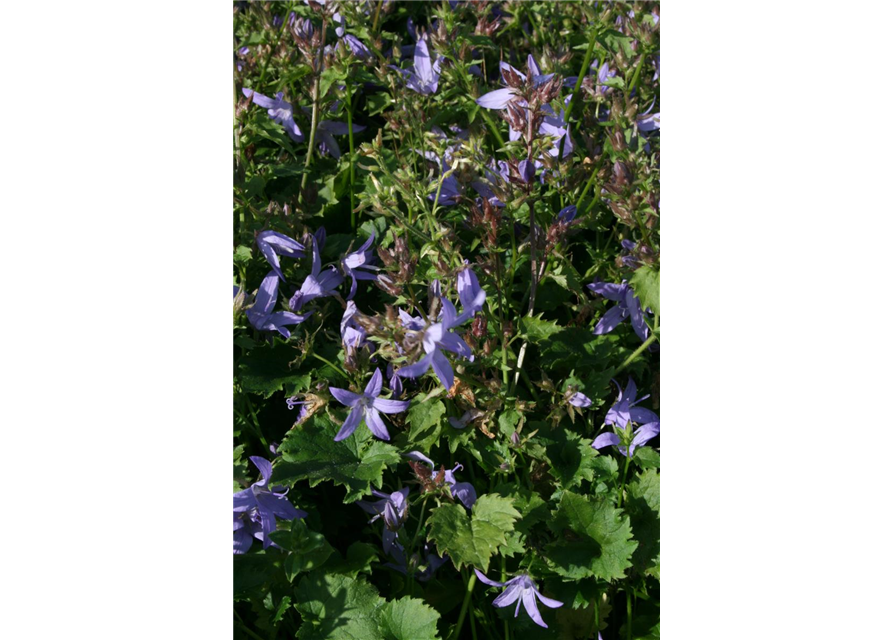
446	320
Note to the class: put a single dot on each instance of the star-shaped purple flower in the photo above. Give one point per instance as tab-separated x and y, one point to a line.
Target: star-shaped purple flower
367	406
521	589
318	284
280	110
500	98
624	412
435	339
261	315
424	76
354	263
628	306
255	509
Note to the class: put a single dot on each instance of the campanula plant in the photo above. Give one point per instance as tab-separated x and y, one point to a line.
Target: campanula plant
446	247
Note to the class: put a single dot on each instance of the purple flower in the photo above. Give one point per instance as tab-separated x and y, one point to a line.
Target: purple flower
580	400
624	412
273	244
316	285
353	336
326	129
255	509
500	98
521	589
567	214
393	508
353	263
436	338
425	76
628	306
367	406
646	122
471	295
279	110
261	315
463	491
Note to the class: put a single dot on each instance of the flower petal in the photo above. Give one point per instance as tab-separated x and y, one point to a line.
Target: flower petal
390	406
422	62
549	602
487	580
418	456
347	398
613	317
265	468
464	492
417	369
442	368
643	416
373	388
497	99
350	425
242	540
605	440
512	593
529	601
243	501
375	424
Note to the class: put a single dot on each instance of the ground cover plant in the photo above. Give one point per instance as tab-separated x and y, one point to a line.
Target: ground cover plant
446	320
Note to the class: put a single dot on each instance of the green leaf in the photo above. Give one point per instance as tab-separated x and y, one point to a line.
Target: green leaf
408	619
309	452
472	541
530	505
536	329
572	458
359	558
647	458
242	254
267	370
595	539
644	510
425	421
337	607
329	77
646	283
309	549
240	469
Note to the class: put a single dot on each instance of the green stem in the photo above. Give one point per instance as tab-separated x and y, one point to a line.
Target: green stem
570	107
595	615
331	364
588	185
464	608
629	615
505	623
623	482
353	206
375	18
245	627
314	114
237	133
636	353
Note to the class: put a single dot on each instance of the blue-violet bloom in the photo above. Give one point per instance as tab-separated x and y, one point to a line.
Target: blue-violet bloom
279	110
628	306
317	284
521	589
354	263
424	76
367	406
255	509
261	315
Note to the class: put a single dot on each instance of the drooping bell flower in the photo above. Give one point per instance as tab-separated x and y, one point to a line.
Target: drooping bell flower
255	509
